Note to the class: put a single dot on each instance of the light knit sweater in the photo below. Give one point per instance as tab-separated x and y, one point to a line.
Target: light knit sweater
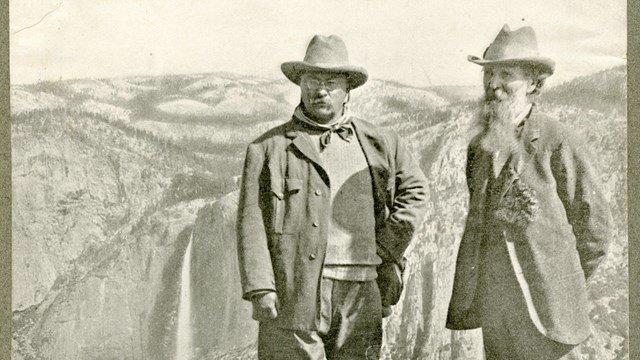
351	249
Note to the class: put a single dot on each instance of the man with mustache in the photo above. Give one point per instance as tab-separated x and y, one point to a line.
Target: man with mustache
328	204
538	223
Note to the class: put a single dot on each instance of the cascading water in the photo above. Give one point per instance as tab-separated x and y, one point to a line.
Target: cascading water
184	334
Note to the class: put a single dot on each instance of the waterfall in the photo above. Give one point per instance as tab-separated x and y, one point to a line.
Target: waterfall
184	335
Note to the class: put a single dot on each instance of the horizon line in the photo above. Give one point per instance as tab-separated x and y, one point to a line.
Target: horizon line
274	77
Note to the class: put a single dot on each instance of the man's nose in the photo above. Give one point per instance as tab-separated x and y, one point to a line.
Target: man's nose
322	91
494	82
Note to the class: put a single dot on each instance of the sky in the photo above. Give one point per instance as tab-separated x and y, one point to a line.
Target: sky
415	42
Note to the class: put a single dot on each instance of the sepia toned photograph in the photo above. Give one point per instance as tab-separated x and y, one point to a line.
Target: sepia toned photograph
208	180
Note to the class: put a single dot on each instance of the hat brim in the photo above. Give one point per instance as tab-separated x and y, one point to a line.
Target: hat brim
545	64
293	70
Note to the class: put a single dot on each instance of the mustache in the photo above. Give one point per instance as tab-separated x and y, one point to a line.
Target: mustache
489	97
502	107
496	95
320	100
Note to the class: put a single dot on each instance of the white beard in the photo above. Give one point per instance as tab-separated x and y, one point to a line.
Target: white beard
497	122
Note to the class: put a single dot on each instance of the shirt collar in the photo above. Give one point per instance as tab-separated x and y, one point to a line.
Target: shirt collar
337	123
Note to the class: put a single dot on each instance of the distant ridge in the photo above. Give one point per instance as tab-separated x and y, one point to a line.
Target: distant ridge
457	93
604	91
607	87
453	93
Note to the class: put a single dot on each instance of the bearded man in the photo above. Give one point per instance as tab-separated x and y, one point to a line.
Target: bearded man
538	223
328	204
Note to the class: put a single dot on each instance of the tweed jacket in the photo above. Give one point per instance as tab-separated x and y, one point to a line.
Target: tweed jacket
283	213
551	206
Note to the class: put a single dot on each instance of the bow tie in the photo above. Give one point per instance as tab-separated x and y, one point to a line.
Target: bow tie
344	131
342	127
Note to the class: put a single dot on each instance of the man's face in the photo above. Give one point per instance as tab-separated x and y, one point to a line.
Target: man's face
323	95
502	82
507	90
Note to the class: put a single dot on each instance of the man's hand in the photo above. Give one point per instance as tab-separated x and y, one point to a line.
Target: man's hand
265	306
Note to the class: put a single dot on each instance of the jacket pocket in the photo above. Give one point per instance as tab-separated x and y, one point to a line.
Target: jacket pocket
293	185
277	205
287	204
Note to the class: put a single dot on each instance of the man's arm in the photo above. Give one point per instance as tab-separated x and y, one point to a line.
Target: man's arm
588	212
409	205
254	259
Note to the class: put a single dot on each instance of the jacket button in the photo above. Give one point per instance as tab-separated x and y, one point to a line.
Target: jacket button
315	224
312	256
318	192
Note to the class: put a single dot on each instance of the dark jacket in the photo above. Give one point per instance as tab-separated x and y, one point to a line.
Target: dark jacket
550	204
283	213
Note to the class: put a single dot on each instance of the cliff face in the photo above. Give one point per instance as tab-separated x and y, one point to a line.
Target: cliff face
113	179
416	329
223	321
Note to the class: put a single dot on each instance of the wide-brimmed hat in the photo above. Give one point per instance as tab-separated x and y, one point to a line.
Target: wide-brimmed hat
326	54
518	47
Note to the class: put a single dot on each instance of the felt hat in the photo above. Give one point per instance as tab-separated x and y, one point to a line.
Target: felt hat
517	47
326	54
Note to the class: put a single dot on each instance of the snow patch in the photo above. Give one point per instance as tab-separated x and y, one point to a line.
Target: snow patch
186	107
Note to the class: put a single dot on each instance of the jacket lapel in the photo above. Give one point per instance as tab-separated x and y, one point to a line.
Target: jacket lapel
301	141
371	143
374	151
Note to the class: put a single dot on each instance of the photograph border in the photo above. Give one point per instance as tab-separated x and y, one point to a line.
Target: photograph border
5	186
633	172
633	121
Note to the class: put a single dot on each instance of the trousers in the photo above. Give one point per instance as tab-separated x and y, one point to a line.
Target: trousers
350	327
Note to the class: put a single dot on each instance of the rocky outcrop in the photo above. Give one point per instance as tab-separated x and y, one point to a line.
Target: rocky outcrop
120	303
72	193
416	329
222	321
99	219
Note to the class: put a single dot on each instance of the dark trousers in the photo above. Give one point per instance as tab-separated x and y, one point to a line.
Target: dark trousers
350	327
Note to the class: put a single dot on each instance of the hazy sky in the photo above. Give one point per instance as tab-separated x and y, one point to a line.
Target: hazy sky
416	42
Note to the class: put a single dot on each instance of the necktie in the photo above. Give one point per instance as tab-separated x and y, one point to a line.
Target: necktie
343	130
342	127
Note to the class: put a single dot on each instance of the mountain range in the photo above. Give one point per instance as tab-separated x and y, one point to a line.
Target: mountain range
112	178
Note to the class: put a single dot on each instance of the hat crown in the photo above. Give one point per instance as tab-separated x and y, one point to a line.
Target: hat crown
520	43
326	54
518	47
327	50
